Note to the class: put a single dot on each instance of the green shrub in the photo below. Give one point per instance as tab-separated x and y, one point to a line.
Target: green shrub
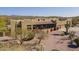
1	34
29	35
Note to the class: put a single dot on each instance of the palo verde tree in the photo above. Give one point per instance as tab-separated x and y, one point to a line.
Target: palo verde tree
2	25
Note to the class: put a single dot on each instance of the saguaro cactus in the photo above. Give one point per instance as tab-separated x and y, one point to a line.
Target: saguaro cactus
67	25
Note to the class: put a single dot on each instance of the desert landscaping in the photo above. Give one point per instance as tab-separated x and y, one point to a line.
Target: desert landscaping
39	34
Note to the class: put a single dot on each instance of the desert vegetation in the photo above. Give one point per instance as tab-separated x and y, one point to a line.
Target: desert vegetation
67	25
33	40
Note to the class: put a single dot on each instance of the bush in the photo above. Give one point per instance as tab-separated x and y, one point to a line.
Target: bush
71	35
11	47
62	34
29	35
41	35
77	41
1	34
54	50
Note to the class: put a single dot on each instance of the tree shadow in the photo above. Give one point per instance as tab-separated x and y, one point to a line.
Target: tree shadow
72	46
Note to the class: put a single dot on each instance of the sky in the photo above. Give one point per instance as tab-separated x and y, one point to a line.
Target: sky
40	11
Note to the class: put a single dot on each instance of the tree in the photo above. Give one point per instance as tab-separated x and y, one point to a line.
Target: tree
2	25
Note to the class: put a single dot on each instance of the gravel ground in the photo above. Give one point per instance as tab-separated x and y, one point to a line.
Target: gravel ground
55	42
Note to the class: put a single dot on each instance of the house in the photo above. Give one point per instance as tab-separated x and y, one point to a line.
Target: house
44	24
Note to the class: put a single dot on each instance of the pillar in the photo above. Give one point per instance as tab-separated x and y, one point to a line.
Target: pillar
13	31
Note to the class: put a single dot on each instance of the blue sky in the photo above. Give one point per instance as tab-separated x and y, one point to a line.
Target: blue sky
40	11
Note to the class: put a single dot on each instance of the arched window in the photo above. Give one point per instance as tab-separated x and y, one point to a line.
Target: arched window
38	19
43	19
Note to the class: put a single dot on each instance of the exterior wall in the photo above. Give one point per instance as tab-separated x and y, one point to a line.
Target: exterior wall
35	22
13	33
31	22
24	27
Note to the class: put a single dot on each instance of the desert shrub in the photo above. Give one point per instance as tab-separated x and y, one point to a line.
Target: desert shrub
77	41
62	34
11	47
1	45
41	36
29	35
1	34
54	50
71	35
38	48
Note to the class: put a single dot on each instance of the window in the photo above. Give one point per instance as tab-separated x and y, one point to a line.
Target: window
38	19
28	26
43	19
19	24
34	26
